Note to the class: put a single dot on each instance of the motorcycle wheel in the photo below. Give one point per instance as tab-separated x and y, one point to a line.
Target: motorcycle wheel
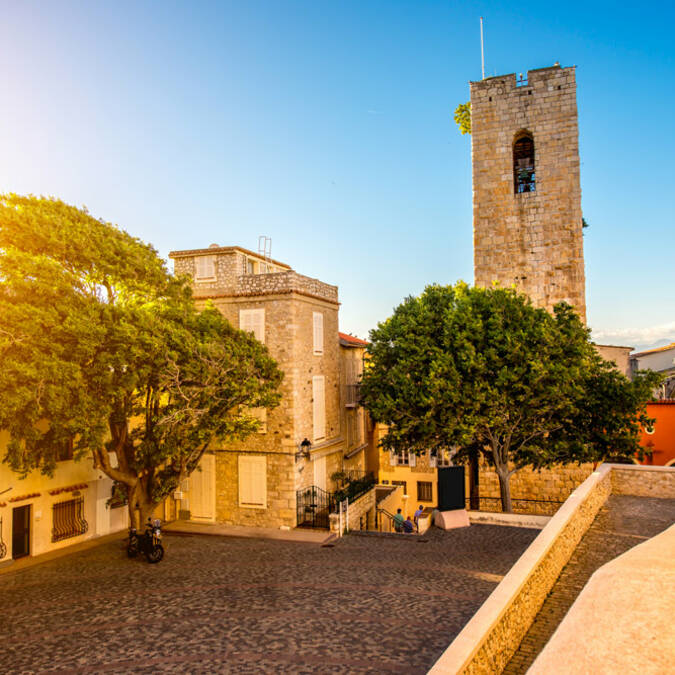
155	554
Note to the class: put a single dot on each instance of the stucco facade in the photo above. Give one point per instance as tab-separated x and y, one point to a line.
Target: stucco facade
54	512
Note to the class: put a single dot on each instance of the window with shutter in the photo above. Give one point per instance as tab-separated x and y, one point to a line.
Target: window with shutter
253	321
318	332
205	267
253	481
319	406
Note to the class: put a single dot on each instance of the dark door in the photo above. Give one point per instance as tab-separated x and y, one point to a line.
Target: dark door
21	531
451	488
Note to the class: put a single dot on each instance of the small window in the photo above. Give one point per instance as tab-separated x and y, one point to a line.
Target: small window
317	319
403	457
319	406
253	481
64	450
68	519
253	321
205	267
250	266
424	491
523	164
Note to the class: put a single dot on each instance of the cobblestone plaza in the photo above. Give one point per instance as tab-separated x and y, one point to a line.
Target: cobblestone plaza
366	604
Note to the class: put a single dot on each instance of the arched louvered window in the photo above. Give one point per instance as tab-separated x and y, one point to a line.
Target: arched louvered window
523	163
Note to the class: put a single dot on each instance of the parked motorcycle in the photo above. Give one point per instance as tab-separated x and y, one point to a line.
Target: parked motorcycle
148	543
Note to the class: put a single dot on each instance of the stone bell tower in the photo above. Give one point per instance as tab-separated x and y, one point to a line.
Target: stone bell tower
526	190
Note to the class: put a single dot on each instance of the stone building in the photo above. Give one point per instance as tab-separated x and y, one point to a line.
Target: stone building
526	189
308	437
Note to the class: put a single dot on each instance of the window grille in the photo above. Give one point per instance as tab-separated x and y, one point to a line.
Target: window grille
68	519
523	164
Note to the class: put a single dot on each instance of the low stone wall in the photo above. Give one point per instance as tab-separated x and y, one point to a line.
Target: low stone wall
490	639
644	481
361	514
264	284
537	492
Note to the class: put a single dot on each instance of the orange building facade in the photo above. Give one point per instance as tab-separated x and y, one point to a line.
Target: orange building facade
659	441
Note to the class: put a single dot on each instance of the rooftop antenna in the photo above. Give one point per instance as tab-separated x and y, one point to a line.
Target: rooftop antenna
265	246
482	51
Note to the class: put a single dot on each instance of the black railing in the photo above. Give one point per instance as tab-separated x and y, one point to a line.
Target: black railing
540	506
314	507
68	519
355	488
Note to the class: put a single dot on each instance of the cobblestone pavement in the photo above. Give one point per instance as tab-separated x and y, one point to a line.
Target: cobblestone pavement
367	604
622	523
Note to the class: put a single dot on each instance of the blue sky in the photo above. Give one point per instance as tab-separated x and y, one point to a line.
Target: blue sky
328	127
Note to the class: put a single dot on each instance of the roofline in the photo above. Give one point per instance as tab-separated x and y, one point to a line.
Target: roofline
597	344
352	341
225	249
655	350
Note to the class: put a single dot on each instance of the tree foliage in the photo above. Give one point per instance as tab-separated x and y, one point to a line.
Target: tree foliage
463	117
462	367
103	348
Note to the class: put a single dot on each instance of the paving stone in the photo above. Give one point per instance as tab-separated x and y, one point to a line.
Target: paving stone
367	605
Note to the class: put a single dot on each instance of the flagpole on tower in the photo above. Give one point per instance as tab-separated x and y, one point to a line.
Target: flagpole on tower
482	51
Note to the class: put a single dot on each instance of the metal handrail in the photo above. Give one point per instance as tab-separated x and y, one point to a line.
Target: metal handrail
391	520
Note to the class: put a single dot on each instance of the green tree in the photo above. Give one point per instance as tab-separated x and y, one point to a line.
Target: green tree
463	117
468	368
101	347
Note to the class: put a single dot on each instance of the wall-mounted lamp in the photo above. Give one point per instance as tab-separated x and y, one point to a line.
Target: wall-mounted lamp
303	452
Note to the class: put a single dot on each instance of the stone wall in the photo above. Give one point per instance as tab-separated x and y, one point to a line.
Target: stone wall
487	642
532	239
537	492
284	282
644	481
281	500
361	514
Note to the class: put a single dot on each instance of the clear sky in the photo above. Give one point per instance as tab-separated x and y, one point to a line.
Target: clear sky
328	127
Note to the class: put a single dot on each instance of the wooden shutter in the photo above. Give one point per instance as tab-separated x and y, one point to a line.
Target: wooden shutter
393	459
432	460
318	332
253	321
205	266
253	481
319	406
412	458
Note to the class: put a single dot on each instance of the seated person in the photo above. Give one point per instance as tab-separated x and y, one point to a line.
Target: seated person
408	525
398	521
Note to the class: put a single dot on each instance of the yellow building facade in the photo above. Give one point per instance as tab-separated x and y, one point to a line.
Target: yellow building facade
39	513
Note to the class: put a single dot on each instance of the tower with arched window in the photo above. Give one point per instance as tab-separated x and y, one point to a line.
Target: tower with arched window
526	189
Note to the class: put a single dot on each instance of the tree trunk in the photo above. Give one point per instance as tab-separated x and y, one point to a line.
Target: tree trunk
474	490
505	490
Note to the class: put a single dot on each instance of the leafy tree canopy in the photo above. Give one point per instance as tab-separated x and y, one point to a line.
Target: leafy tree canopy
101	347
463	117
462	367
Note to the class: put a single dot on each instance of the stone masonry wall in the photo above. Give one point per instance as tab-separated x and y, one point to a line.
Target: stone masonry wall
644	481
534	492
281	504
533	239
